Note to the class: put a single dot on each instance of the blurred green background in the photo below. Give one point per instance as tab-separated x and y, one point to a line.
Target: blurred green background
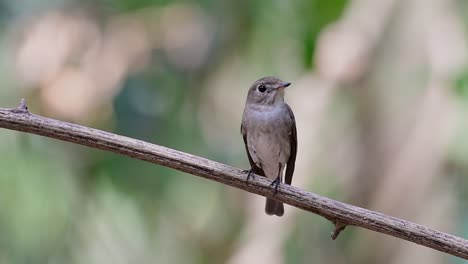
380	93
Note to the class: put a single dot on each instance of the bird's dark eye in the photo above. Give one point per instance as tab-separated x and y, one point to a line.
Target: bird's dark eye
261	88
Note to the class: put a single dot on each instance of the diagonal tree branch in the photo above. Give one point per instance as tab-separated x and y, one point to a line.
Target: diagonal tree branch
339	213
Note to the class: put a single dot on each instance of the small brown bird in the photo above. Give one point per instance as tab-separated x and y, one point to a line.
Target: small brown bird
269	132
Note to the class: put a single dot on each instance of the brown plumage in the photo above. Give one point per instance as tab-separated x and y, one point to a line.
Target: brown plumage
270	137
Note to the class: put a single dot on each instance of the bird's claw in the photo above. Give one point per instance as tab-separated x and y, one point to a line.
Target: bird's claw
249	175
276	183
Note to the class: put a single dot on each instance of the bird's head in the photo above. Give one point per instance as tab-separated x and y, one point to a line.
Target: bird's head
267	91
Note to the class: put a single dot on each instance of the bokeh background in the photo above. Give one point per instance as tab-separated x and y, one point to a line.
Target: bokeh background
380	93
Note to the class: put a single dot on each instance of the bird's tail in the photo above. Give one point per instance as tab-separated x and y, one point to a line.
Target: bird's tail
273	207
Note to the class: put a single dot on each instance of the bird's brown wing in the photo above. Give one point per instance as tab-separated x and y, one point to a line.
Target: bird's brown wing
255	169
293	143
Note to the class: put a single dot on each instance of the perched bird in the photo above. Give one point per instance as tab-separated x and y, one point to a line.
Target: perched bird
269	131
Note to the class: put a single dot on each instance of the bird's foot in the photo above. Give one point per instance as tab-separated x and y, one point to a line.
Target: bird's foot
250	174
276	183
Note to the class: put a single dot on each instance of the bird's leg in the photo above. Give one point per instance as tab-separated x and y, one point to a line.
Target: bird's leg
277	181
250	174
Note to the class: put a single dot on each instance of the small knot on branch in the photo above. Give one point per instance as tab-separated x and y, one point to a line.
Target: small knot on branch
22	108
339	226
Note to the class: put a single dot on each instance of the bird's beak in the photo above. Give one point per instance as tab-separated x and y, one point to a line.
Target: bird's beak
283	85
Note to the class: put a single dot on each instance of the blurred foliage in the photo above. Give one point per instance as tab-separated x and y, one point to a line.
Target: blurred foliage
317	14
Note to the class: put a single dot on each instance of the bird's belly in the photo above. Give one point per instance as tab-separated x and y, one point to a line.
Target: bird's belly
270	148
269	139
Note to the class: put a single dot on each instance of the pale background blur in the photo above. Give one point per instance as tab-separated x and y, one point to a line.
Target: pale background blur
380	93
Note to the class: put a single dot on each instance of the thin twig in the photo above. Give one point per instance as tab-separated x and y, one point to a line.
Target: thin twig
338	228
22	108
335	211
